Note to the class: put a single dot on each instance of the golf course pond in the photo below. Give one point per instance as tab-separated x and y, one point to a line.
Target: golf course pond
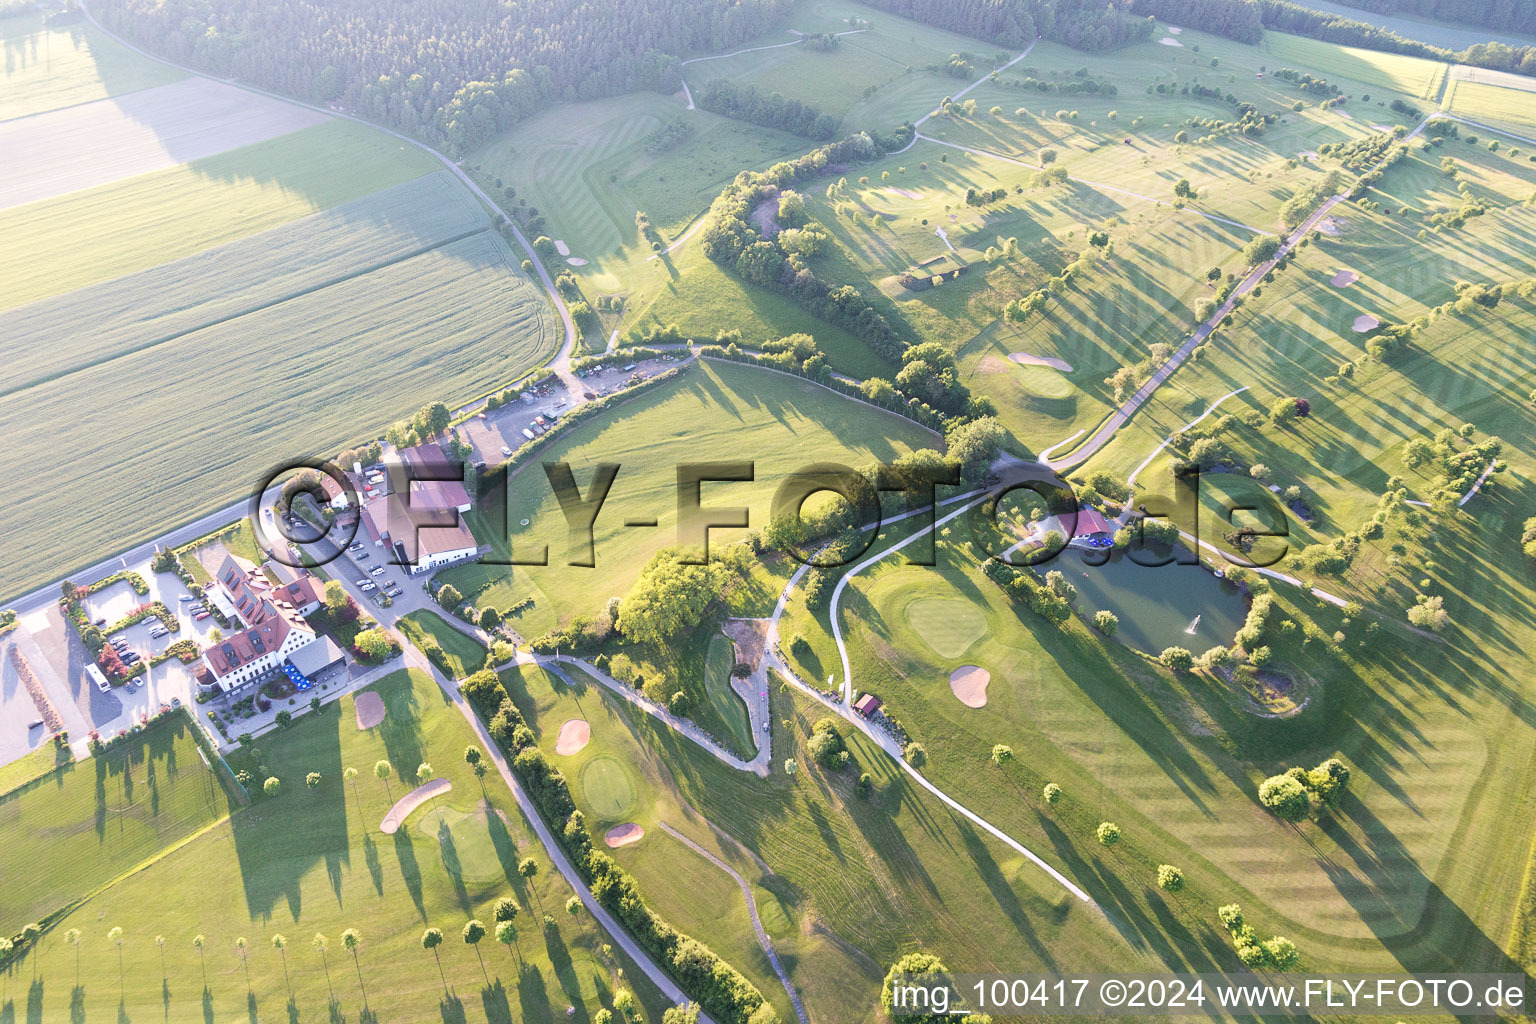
1159	606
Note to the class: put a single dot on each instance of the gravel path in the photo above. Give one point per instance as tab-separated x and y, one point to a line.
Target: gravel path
757	925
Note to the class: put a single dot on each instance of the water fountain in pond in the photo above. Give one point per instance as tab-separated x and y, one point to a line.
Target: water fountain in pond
1193	626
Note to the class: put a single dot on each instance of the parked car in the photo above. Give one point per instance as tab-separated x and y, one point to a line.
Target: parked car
175	703
528	434
184	598
378	570
356	545
367	586
157	634
506	451
362	556
200	616
131	657
361	583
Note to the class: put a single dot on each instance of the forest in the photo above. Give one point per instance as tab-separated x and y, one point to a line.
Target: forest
1085	24
1501	15
449	72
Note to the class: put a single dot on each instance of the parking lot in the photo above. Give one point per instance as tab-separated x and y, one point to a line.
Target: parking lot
501	431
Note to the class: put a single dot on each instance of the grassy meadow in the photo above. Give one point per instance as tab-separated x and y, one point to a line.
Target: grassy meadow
314	861
85	824
713	412
463	653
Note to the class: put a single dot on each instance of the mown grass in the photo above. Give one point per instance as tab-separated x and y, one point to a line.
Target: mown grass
29	766
844	883
89	822
302	378
67	62
1175	759
155	218
1418	77
463	653
713	412
717	683
314	860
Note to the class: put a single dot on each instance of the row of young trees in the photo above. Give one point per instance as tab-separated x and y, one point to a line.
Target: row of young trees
450	72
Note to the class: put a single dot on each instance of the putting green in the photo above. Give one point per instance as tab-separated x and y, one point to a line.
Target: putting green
1042	381
468	848
947	624
609	791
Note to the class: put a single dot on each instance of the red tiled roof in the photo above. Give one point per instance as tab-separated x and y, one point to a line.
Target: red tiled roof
246	646
1084	523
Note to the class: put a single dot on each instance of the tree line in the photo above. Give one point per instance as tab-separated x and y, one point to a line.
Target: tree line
723	96
1505	15
1084	24
1235	19
730	239
449	72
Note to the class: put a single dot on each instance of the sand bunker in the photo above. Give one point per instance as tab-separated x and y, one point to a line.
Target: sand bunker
561	247
623	835
1344	278
1174	31
576	261
1170	41
1328	226
1033	360
1344	113
408	803
573	736
1382	127
969	684
1308	154
369	708
905	193
1366	324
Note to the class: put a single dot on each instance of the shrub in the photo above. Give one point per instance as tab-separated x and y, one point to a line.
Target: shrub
1286	797
1108	833
1051	793
1169	878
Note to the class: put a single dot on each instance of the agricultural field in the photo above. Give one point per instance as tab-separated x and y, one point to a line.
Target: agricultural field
82	826
713	412
67	61
164	303
1436	33
1488	97
336	365
93	144
313	860
166	215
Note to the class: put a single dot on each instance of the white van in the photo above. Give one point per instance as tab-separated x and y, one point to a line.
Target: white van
528	433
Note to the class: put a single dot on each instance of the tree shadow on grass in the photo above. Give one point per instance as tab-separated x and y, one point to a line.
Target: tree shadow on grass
533	997
77	1005
375	865
452	1010
122	1013
452	865
207	1006
410	871
250	1008
565	972
506	846
1007	899
293	1011
493	998
35	1002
